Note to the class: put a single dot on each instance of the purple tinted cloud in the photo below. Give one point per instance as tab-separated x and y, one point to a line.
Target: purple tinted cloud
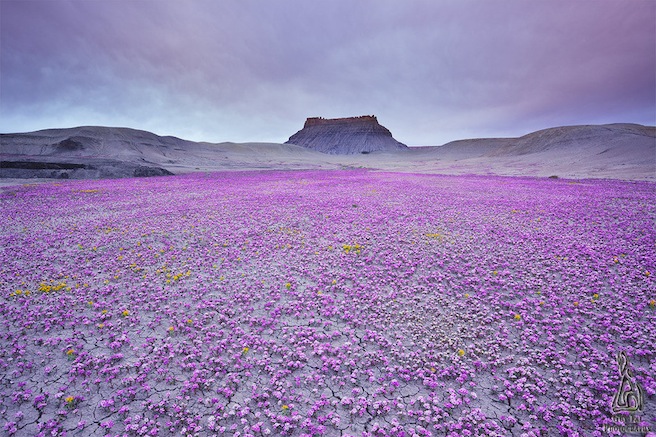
253	70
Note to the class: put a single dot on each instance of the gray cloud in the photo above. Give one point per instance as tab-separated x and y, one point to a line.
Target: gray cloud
253	70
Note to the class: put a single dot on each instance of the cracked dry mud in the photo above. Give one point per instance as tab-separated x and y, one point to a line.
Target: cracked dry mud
345	303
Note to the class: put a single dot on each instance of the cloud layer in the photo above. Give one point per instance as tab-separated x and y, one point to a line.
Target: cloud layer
253	70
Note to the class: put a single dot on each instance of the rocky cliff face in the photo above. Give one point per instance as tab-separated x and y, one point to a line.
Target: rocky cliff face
345	136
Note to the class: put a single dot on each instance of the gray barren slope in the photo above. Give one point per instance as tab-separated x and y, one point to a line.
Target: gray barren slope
345	136
112	152
622	151
88	152
613	151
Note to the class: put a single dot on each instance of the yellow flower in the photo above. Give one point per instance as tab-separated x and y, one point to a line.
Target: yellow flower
467	295
595	296
285	407
171	329
334	281
461	352
288	285
101	325
576	303
189	321
245	350
69	399
495	273
518	317
652	303
125	313
70	352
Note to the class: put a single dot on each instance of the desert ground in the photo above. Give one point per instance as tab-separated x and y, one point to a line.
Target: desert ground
481	288
338	303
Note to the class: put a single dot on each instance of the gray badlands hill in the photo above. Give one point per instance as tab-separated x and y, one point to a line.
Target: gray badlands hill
92	152
345	136
81	153
615	151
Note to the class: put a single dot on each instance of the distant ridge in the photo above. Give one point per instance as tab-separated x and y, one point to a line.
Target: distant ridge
345	136
612	151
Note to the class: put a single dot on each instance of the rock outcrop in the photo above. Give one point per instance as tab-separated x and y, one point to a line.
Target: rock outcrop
345	136
87	152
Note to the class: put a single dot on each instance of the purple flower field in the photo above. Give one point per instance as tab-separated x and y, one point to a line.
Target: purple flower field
337	303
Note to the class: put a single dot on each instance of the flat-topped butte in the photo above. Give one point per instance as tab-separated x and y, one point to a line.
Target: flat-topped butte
345	136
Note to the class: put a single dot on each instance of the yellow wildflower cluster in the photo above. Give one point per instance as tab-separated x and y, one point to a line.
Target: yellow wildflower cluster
47	288
351	247
20	293
181	275
169	276
435	236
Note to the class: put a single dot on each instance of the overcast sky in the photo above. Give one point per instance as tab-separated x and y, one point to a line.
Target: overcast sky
253	70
